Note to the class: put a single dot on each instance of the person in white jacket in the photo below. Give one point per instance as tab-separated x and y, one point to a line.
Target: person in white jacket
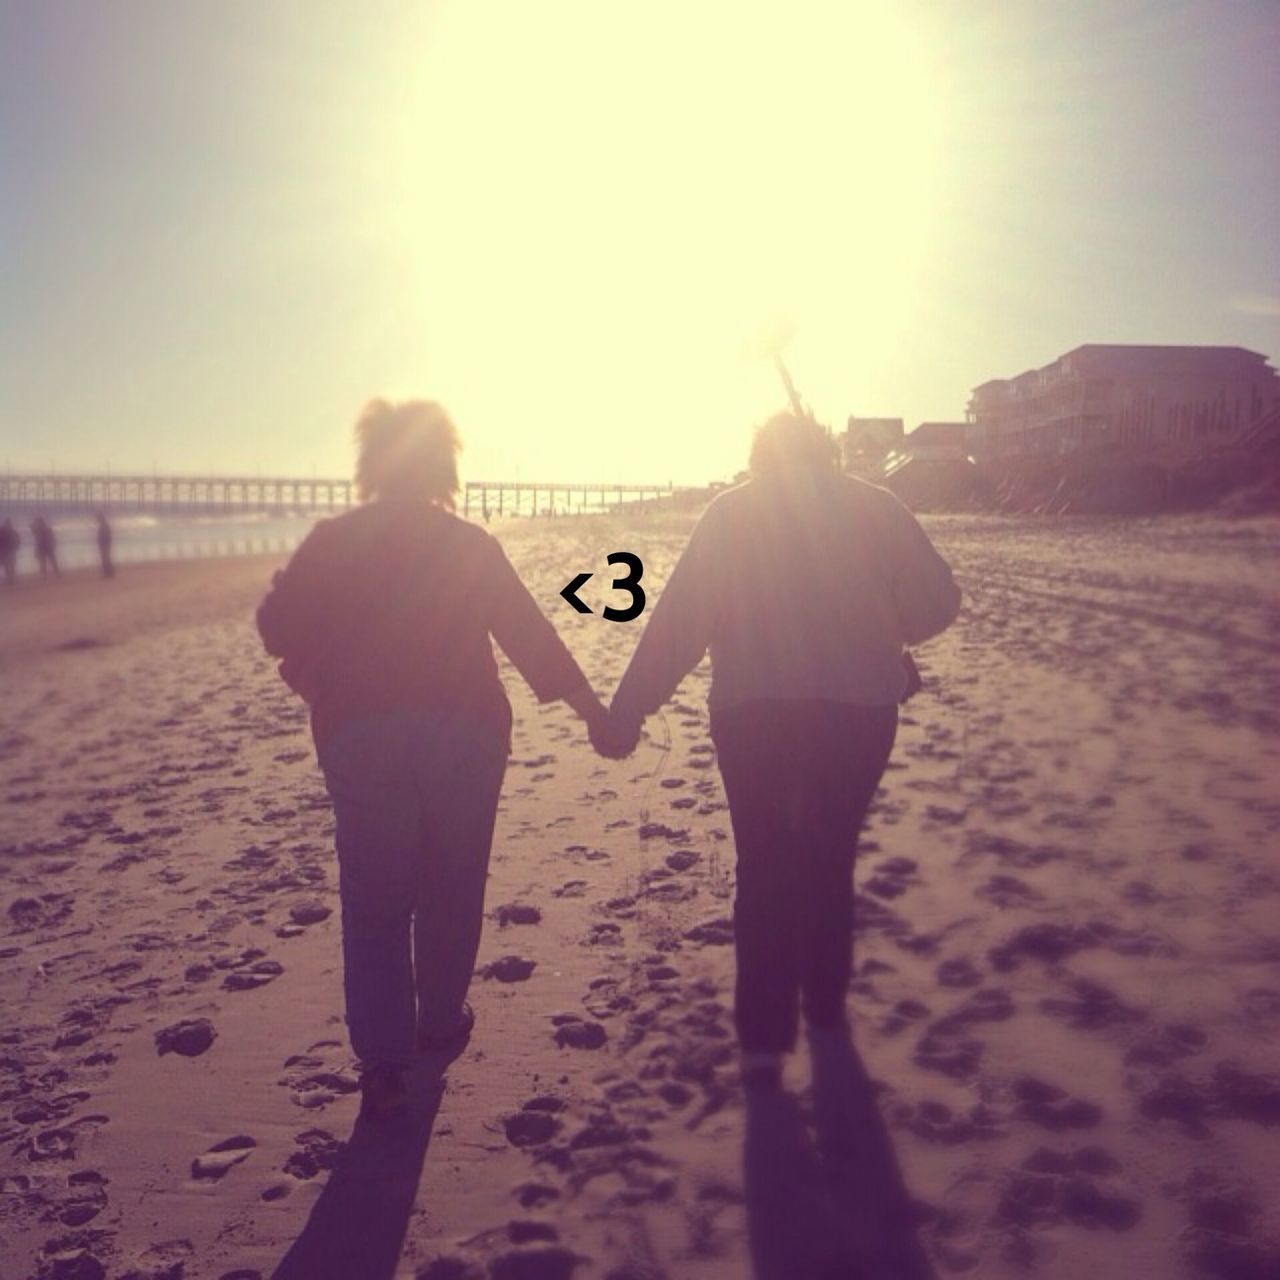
805	585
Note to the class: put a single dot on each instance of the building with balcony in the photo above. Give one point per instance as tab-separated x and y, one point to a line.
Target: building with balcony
1144	398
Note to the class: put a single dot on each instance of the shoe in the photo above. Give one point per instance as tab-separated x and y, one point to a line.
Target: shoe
456	1040
383	1092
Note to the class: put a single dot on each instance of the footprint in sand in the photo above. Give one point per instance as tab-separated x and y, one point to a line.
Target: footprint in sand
535	1123
308	913
1229	1092
946	1047
716	932
903	1014
937	1123
222	1157
516	913
1048	941
256	974
313	1081
605	1000
51	1144
163	1260
892	878
28	914
535	1195
450	1267
549	1263
318	1152
189	1038
574	1033
587	853
659	830
659	886
509	969
1005	891
86	1198
70	1256
1051	1188
1221	1238
1091	1007
1166	1045
1052	1107
959	971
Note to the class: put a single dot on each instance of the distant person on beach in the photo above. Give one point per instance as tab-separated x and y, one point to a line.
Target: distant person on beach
805	585
10	541
46	547
383	620
104	546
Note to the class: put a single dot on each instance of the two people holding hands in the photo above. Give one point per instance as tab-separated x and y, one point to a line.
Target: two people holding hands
804	585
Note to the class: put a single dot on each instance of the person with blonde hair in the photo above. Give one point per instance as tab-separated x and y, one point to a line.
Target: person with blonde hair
805	585
383	620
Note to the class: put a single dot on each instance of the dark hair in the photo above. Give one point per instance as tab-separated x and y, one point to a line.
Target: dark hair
408	448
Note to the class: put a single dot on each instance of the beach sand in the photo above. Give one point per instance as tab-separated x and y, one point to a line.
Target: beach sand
1067	983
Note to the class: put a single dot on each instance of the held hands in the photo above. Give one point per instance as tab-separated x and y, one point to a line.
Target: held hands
611	737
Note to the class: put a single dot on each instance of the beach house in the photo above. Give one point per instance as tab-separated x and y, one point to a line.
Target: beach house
1149	399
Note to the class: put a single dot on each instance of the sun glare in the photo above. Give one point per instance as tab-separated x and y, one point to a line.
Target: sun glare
610	204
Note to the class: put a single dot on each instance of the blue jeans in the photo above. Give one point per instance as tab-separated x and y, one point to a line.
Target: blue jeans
415	795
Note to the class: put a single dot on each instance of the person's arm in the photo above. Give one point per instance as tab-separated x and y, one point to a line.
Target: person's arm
532	643
586	702
295	610
925	594
674	640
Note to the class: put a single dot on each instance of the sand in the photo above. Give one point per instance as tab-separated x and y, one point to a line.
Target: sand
1068	961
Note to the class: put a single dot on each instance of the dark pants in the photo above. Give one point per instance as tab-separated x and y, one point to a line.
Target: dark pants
415	795
799	777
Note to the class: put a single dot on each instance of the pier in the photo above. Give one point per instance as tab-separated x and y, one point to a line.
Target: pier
511	497
279	495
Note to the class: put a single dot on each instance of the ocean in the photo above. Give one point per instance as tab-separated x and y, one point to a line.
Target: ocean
140	538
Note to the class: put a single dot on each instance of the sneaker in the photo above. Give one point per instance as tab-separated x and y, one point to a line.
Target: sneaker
383	1092
454	1041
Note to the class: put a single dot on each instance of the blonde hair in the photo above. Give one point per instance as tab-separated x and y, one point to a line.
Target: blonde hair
788	443
410	448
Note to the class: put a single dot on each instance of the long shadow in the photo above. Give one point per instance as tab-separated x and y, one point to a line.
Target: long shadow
356	1228
836	1209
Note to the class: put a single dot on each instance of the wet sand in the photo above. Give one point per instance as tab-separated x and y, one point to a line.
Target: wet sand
1067	998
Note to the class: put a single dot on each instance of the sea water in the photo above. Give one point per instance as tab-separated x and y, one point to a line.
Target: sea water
139	538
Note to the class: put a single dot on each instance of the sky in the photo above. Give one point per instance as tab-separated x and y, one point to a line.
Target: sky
582	225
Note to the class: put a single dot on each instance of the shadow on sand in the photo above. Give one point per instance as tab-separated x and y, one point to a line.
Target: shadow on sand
837	1209
358	1224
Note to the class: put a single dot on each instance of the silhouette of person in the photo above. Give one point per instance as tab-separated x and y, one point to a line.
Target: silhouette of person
10	541
104	546
46	547
805	584
382	620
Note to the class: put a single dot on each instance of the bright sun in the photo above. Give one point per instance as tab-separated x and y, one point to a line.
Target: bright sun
612	203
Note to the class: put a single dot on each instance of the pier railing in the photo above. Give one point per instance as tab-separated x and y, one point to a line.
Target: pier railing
232	495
